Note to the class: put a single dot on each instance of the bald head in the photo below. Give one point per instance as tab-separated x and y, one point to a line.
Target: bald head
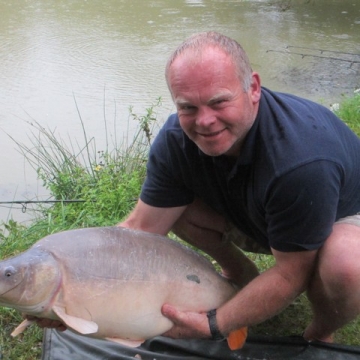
196	44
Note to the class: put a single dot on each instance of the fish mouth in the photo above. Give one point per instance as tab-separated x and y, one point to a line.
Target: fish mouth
7	291
12	288
15	285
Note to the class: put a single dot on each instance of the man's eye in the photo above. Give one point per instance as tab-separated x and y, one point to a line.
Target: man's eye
218	102
187	108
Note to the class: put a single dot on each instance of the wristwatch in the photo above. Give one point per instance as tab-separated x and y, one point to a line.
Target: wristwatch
215	332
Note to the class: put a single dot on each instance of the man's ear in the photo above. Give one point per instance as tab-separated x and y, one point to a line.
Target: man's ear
255	87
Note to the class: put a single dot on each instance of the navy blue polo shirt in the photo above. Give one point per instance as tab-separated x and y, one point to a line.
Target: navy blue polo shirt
298	172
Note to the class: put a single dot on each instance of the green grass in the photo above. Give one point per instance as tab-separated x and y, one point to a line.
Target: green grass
108	183
349	111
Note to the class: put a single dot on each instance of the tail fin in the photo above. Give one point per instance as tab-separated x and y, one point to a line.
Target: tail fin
237	338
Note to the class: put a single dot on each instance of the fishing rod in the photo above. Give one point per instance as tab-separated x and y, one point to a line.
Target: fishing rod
321	50
24	203
316	56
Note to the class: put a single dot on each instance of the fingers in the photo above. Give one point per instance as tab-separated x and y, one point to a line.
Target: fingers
47	323
171	313
186	324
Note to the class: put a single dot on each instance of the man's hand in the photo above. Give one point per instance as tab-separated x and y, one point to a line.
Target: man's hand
187	325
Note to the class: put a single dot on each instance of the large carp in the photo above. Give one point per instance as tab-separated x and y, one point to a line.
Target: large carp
111	282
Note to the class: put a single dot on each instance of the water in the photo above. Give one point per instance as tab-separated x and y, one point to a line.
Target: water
109	55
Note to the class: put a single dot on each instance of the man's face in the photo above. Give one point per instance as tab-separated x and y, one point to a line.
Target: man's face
213	109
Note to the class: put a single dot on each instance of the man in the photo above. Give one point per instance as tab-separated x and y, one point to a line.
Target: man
241	167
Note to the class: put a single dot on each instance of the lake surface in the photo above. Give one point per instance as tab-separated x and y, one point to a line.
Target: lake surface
110	55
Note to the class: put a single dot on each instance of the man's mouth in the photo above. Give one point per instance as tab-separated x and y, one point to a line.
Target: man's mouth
213	134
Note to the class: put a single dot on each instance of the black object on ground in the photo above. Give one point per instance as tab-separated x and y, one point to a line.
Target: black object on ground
67	345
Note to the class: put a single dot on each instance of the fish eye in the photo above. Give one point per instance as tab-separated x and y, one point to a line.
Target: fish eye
9	271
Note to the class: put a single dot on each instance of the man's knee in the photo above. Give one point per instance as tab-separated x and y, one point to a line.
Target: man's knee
201	215
201	226
338	263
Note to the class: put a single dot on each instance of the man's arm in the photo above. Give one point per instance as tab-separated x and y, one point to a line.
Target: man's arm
269	293
264	297
152	219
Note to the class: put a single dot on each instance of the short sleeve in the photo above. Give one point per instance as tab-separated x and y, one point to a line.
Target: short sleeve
164	185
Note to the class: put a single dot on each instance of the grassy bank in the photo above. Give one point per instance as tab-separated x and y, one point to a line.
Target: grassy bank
107	183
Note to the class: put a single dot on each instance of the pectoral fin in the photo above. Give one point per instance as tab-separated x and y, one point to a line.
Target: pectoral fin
82	326
236	339
21	327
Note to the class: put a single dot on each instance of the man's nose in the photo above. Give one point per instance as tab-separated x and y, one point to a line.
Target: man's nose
206	116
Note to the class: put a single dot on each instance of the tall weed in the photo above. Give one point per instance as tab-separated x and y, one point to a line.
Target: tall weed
92	188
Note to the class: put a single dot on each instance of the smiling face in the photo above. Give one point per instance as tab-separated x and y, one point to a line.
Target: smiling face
214	110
